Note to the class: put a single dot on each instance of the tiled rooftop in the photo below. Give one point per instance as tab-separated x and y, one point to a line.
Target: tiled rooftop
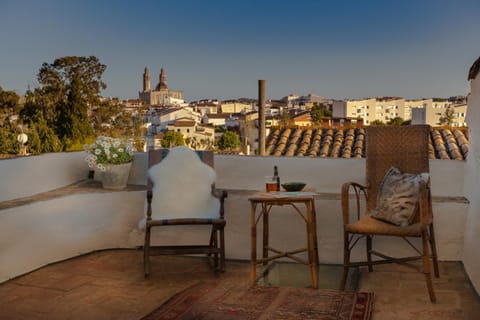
110	285
445	143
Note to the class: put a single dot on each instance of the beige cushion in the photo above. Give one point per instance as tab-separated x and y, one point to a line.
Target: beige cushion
397	199
368	225
182	186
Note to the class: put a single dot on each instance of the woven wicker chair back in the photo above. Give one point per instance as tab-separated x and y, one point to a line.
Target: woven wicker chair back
404	147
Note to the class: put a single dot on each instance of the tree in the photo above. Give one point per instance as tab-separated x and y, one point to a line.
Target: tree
73	125
448	117
57	77
8	138
172	139
229	140
285	119
397	121
377	123
317	113
42	138
68	87
8	102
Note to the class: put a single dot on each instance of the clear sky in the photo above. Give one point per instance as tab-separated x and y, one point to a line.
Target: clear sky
220	48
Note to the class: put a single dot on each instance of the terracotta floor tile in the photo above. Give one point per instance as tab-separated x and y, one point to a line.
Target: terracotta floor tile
111	285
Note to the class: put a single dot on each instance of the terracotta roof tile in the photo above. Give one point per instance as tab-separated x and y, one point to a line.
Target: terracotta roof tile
447	144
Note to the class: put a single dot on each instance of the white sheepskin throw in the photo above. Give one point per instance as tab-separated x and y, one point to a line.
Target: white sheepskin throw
182	187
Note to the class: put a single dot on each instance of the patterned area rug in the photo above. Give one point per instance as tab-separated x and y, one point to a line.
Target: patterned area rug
207	301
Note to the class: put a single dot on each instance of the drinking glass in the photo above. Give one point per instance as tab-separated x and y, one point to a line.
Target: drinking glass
271	183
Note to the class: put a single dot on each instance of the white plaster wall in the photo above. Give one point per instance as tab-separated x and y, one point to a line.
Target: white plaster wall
471	258
25	176
64	227
324	174
47	231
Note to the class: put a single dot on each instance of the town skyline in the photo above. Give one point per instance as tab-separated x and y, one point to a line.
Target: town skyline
220	49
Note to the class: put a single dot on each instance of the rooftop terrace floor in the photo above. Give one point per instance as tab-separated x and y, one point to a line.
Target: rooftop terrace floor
110	285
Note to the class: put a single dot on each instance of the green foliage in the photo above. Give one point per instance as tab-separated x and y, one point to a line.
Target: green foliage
73	125
42	139
34	143
377	123
68	86
8	101
397	121
317	113
172	139
8	139
57	77
448	117
229	140
285	119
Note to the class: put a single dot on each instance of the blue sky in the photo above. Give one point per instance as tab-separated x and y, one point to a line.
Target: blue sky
220	48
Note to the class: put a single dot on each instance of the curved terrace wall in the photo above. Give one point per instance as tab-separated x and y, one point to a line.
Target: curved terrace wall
54	229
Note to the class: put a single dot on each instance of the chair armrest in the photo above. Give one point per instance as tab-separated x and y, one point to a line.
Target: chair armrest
358	189
425	204
221	195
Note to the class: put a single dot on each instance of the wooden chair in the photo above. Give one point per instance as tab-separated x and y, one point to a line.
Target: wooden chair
406	148
215	249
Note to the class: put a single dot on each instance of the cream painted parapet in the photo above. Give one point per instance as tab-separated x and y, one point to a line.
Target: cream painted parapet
59	228
471	256
26	176
44	232
323	174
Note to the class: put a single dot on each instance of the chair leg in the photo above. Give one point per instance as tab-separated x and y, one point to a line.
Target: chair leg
346	260
426	266
213	245
222	249
146	252
369	252
433	246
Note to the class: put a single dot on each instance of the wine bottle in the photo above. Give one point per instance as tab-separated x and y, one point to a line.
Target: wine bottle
277	177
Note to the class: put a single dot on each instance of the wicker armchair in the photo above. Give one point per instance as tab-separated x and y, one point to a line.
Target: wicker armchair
406	148
215	249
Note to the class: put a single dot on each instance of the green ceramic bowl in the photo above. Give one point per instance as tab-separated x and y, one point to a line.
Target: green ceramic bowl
293	186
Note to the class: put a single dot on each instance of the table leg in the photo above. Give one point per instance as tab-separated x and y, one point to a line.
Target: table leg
315	240
312	260
253	258
265	232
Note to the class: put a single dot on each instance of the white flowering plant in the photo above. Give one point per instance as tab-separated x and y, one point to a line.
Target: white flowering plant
108	150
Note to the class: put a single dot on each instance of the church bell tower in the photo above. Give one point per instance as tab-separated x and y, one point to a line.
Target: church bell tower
146	80
162	85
